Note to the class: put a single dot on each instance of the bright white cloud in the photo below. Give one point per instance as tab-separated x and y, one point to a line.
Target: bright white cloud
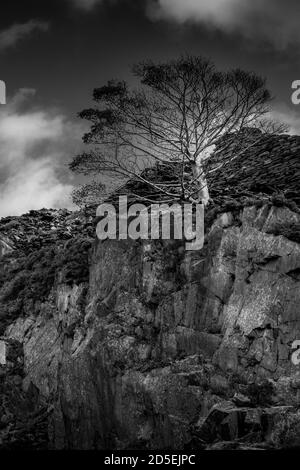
33	148
28	129
35	187
219	12
291	117
273	20
15	33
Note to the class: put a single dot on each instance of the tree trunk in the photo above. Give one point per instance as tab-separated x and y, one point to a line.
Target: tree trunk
199	176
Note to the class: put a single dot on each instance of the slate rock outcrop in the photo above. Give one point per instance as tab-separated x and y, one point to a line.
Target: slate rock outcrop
155	347
143	345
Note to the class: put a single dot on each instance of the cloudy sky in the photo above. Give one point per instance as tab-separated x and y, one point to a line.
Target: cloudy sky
53	53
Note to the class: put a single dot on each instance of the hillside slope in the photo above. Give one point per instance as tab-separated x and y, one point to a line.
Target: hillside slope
123	344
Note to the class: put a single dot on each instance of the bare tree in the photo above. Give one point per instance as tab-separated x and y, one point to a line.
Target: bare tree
176	116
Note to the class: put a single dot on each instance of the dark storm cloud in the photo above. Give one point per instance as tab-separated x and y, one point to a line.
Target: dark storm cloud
87	5
9	37
274	21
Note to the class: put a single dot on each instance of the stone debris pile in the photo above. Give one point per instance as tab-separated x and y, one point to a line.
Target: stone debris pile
258	164
37	229
244	165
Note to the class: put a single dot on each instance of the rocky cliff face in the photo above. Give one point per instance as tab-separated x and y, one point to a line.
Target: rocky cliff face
123	344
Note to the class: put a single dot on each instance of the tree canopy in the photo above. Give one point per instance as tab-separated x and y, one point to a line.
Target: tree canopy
176	115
